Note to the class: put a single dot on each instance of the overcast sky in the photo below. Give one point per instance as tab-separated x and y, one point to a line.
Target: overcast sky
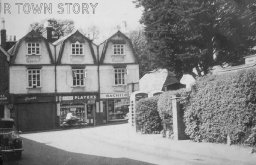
107	14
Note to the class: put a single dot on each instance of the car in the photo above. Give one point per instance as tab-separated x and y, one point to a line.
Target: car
1	159
10	141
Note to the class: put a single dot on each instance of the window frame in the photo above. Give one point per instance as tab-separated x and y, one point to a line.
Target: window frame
118	49
37	72
80	49
36	46
81	79
120	76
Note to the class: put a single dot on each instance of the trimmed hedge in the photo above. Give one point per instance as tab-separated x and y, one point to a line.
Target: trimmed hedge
222	106
165	102
147	116
165	107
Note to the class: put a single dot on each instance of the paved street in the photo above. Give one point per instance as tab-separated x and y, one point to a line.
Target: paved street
119	144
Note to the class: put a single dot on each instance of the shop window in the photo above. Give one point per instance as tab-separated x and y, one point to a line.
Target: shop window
33	48
77	48
120	76
77	110
78	77
117	109
34	78
118	49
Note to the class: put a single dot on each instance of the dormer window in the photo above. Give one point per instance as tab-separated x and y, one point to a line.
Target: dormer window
33	48
77	48
118	49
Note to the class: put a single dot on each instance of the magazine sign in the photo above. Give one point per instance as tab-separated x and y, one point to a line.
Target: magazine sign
3	99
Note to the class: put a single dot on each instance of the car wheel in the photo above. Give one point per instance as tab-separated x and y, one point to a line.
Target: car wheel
1	160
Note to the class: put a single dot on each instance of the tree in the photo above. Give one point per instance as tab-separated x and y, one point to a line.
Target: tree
184	34
141	50
61	27
92	32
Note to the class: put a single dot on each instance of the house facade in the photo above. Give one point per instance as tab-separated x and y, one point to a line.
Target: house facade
119	76
76	78
32	84
49	80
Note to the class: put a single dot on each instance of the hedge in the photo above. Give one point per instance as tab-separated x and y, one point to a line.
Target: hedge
221	106
147	117
165	105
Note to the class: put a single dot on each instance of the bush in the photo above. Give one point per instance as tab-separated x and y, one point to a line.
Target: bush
223	105
165	106
147	116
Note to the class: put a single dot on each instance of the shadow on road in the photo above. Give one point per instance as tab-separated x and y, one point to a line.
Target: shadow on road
41	154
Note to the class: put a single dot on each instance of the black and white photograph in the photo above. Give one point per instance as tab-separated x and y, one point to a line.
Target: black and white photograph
128	82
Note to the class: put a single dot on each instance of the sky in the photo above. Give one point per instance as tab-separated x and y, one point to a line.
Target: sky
105	14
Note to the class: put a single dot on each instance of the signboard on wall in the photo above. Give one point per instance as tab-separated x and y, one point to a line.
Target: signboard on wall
34	99
139	96
113	95
78	99
3	99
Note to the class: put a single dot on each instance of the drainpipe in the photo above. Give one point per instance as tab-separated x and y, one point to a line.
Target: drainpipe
55	85
55	70
98	70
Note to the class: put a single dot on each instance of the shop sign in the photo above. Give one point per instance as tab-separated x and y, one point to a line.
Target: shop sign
82	98
30	99
113	95
33	99
139	96
3	99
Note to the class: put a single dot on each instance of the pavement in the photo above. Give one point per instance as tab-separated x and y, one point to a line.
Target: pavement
120	144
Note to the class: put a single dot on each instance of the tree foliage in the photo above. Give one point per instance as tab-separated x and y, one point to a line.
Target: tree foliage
61	27
140	46
184	34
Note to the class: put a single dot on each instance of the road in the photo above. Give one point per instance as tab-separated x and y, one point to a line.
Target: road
118	145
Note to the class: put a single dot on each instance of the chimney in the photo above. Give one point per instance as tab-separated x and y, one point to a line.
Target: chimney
3	35
14	38
49	30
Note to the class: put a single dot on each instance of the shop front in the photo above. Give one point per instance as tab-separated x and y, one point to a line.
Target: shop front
35	112
79	106
116	105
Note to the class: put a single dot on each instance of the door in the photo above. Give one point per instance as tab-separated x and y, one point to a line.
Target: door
36	116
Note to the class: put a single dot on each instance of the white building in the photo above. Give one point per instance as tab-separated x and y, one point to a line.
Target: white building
76	77
119	76
49	80
32	84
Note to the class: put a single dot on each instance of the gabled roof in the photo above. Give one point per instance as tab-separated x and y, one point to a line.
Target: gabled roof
254	55
63	40
5	53
235	68
171	79
32	35
106	43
